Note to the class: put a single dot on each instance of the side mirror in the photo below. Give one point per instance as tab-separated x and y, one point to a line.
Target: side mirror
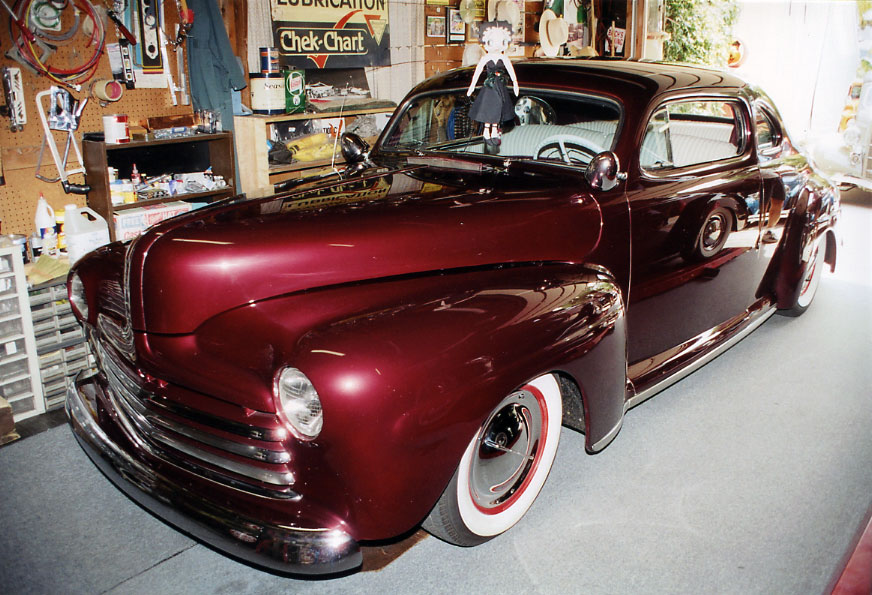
354	148
603	172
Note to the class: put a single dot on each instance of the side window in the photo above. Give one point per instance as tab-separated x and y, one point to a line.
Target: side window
685	133
656	151
768	133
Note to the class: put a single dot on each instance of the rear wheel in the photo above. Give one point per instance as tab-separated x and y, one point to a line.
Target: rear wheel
712	234
503	468
811	278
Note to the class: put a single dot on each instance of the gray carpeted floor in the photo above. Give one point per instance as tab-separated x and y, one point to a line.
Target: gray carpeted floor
752	475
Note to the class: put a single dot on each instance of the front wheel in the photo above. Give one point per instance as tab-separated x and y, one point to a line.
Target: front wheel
503	468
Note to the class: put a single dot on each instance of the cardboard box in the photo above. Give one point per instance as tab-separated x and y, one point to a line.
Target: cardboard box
7	425
129	223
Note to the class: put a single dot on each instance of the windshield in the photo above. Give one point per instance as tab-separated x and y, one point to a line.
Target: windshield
564	127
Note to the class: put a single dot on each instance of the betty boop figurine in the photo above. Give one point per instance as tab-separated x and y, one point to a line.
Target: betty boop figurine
493	104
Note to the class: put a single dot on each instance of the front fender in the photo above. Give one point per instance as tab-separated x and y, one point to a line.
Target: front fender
408	369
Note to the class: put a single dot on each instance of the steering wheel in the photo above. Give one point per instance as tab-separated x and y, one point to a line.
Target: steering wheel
569	148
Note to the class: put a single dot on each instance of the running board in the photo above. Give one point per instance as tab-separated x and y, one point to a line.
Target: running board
694	354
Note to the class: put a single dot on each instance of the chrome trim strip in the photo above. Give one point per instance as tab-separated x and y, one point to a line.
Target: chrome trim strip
756	320
310	551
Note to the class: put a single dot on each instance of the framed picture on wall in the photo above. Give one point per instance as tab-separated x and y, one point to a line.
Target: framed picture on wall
435	26
456	26
472	31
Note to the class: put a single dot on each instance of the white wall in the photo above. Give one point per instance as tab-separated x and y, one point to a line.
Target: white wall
804	54
407	52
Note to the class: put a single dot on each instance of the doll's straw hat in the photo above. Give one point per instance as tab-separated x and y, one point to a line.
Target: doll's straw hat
553	32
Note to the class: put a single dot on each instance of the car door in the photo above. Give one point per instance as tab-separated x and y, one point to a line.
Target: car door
694	205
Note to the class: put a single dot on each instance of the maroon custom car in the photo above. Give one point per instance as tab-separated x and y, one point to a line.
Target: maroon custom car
399	344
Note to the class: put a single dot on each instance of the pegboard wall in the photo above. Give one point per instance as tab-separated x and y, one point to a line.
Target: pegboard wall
19	150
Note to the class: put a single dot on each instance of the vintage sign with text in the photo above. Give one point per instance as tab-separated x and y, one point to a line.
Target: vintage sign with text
331	33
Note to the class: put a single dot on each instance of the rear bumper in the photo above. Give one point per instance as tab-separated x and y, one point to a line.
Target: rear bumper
287	550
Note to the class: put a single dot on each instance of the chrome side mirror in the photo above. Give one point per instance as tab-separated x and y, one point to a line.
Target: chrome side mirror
354	148
603	172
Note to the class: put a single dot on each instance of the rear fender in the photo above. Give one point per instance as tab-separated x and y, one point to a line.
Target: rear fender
811	218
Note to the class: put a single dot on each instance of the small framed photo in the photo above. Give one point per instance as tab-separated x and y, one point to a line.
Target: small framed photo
472	32
456	27
435	26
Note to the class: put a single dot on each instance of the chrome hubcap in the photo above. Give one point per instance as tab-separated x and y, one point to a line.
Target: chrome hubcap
714	229
507	449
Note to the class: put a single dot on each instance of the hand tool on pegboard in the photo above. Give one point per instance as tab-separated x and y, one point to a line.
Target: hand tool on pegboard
64	115
148	26
171	85
13	91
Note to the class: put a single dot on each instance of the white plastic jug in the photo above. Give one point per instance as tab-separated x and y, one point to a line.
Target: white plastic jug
85	231
45	226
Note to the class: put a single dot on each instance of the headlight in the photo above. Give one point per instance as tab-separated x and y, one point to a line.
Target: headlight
77	297
299	403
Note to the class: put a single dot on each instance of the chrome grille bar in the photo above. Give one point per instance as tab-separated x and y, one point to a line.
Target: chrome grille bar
245	450
130	399
132	384
145	429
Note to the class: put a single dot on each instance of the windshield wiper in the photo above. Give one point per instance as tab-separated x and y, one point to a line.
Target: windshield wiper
454	163
462	143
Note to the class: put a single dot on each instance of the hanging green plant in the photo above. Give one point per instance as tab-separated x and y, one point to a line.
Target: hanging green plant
700	30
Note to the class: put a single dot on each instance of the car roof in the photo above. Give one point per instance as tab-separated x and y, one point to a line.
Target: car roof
640	81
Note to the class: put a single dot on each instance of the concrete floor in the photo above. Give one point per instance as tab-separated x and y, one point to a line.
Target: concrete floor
752	475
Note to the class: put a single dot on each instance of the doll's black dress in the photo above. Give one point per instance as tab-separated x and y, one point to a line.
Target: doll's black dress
493	104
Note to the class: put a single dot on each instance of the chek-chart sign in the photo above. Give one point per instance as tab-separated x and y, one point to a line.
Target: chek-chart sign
331	33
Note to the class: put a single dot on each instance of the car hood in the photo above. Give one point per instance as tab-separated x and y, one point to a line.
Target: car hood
379	226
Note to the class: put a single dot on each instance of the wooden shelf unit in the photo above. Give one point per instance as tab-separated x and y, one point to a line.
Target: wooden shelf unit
256	176
157	157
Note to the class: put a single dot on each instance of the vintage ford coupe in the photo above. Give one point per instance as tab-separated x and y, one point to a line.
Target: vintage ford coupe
399	343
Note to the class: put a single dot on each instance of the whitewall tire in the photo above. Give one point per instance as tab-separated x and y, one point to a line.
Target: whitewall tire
503	468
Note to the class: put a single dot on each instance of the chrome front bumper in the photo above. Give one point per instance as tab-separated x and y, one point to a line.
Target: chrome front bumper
285	549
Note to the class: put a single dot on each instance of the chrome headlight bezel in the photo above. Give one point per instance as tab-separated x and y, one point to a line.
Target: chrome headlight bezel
78	297
298	403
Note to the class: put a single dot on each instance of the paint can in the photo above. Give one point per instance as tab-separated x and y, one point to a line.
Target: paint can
267	93
115	129
269	60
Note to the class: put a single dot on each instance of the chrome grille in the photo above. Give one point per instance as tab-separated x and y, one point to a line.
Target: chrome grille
167	429
114	321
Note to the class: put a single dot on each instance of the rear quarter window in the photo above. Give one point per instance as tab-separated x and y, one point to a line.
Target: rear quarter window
687	133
